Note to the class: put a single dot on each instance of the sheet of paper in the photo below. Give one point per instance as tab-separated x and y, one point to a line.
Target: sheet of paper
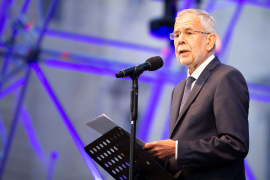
104	124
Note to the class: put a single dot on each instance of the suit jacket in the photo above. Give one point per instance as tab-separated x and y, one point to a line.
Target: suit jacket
212	128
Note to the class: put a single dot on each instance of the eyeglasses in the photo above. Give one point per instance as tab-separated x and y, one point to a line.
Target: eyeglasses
187	34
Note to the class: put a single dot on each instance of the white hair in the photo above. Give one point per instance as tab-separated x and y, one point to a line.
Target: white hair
206	20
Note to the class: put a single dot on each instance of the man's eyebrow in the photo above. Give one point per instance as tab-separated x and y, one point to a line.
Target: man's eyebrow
187	28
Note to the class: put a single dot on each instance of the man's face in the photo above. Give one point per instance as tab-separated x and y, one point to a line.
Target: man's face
190	50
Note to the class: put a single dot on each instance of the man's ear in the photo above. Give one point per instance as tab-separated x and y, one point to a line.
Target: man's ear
211	39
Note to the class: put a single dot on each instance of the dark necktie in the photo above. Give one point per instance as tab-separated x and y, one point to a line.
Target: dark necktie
187	91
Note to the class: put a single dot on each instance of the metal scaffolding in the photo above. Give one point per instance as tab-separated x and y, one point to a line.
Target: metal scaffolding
31	60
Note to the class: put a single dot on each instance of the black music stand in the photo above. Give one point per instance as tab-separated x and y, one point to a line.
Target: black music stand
112	151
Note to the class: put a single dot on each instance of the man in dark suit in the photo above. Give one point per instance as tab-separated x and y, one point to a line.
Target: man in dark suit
209	136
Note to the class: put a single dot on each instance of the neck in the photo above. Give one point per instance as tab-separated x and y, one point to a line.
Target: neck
193	68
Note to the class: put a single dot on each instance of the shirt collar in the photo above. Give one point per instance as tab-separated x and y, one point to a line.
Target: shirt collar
200	69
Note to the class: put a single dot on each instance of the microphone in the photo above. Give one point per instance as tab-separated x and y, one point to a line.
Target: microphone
151	64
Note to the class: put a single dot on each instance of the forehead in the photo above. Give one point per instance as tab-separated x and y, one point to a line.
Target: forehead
187	20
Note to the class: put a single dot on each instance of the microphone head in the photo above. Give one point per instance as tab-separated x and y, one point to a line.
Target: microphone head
155	62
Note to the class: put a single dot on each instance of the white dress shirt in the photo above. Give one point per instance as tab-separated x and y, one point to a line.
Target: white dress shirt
196	75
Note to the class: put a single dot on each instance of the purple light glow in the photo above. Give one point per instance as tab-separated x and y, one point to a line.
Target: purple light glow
165	134
112	65
107	71
151	107
258	87
227	37
88	60
14	124
53	159
262	4
152	104
12	87
8	75
26	120
3	132
103	67
188	4
29	129
89	162
248	171
23	11
99	41
40	11
102	70
25	6
210	6
2	15
4	69
47	20
259	97
168	78
169	54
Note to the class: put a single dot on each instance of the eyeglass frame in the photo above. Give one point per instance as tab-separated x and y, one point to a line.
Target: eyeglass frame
173	38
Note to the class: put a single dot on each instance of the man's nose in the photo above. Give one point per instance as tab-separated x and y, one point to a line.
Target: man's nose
181	39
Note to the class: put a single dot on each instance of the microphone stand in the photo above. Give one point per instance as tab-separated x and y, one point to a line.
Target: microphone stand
133	117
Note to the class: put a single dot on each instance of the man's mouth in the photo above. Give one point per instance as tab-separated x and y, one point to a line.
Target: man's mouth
184	51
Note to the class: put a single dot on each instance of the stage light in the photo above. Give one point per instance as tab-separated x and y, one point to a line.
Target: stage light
162	27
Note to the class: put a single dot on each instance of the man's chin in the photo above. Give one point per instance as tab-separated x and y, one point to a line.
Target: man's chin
185	62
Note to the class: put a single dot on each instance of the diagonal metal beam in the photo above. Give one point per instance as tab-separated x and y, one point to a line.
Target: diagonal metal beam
210	6
11	74
25	118
100	41
2	133
149	112
25	6
259	88
29	129
170	77
248	171
51	168
23	11
256	3
14	124
153	101
261	95
10	49
3	10
11	88
40	11
73	133
47	20
228	35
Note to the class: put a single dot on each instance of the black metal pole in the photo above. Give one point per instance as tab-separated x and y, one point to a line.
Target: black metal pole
133	117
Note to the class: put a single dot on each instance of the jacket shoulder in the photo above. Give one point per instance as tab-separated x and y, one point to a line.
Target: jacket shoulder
226	70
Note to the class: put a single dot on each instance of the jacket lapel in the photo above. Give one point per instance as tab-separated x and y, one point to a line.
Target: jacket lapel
176	101
195	90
